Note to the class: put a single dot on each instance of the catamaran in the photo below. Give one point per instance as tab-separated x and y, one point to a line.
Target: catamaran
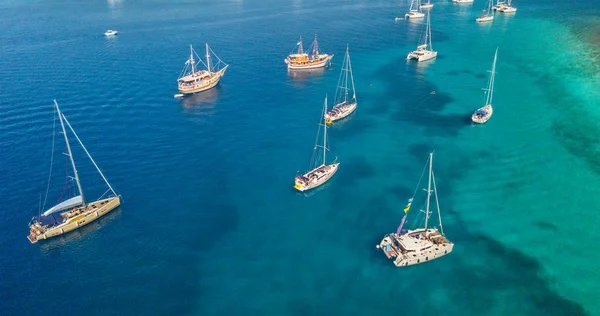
194	80
427	5
321	171
415	10
504	7
74	212
422	244
484	113
424	51
345	99
302	60
488	16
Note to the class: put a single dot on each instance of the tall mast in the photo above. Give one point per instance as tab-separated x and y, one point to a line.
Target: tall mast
324	131
207	58
350	69
429	30
192	58
347	65
316	46
429	188
490	92
62	124
300	49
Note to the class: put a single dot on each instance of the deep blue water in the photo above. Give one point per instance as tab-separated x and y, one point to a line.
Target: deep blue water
210	224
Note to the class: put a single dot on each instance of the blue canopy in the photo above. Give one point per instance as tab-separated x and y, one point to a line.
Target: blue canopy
481	112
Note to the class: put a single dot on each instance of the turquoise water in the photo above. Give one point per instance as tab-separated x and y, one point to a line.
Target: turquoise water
210	224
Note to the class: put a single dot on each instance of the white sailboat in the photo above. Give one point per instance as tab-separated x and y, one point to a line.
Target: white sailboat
427	5
484	113
74	212
320	171
424	51
488	16
345	99
422	244
415	10
194	80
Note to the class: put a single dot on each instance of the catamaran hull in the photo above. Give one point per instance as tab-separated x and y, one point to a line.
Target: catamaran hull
485	19
420	58
347	110
211	83
413	258
319	64
90	215
319	182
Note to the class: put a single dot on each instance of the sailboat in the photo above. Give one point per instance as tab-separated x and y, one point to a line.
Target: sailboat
487	17
424	51
484	113
427	5
415	10
321	171
194	80
76	211
302	60
422	244
345	99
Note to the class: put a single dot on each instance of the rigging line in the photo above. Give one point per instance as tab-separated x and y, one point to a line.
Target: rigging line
437	203
51	159
419	183
88	154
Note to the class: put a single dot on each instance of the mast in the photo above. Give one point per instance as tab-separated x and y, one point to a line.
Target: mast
61	116
316	46
437	203
346	85
89	156
491	83
300	49
351	75
324	131
207	58
192	58
428	32
429	188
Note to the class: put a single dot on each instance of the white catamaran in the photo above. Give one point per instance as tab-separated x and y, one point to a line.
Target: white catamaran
424	51
75	211
504	7
345	99
488	16
421	244
484	113
321	171
415	10
194	80
302	60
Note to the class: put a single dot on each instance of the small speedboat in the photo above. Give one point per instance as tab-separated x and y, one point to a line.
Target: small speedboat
111	33
178	96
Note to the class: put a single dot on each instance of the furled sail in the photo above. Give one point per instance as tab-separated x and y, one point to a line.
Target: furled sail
64	205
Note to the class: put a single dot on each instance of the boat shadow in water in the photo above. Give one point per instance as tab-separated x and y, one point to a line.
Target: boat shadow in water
316	190
78	234
303	75
201	103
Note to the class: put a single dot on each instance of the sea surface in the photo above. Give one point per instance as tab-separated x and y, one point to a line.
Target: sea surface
210	223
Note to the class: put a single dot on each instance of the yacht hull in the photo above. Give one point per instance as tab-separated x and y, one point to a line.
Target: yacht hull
413	258
300	186
483	119
421	57
317	64
346	111
204	85
93	211
484	19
